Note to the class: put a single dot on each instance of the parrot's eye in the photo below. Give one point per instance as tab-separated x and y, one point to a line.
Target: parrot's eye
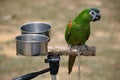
92	13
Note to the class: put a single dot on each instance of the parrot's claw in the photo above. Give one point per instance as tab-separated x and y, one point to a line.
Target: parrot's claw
70	47
86	47
73	48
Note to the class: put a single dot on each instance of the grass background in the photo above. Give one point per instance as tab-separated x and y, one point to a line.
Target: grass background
105	35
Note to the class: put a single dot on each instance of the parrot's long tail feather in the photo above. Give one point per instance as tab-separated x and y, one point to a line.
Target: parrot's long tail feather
71	63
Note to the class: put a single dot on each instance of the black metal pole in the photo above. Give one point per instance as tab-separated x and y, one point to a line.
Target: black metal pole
53	64
32	75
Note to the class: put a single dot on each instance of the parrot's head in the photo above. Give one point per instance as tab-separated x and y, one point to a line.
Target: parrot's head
88	15
95	14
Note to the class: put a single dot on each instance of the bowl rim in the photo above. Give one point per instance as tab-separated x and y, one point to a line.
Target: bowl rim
47	38
35	23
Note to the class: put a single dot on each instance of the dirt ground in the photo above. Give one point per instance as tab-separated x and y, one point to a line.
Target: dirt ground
105	35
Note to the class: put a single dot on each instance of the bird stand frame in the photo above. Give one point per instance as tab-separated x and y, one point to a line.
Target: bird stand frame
31	39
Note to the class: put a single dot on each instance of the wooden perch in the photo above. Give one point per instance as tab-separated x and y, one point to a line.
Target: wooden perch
83	50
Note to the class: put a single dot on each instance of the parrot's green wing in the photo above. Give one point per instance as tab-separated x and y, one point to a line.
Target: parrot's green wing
77	34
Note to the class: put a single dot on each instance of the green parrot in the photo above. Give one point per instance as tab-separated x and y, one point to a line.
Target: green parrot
78	30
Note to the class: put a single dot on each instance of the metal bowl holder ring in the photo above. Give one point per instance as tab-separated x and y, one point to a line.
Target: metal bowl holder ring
33	41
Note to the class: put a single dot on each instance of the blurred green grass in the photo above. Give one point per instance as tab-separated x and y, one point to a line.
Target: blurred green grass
105	35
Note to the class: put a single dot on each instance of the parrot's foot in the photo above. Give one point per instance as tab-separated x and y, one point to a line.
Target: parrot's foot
70	47
73	49
86	47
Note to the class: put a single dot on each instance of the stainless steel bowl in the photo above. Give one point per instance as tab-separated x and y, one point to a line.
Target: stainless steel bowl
32	44
36	28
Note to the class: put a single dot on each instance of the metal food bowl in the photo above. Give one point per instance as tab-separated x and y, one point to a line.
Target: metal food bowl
36	28
32	44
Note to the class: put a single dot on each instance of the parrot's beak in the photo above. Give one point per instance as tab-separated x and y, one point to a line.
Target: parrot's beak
97	18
